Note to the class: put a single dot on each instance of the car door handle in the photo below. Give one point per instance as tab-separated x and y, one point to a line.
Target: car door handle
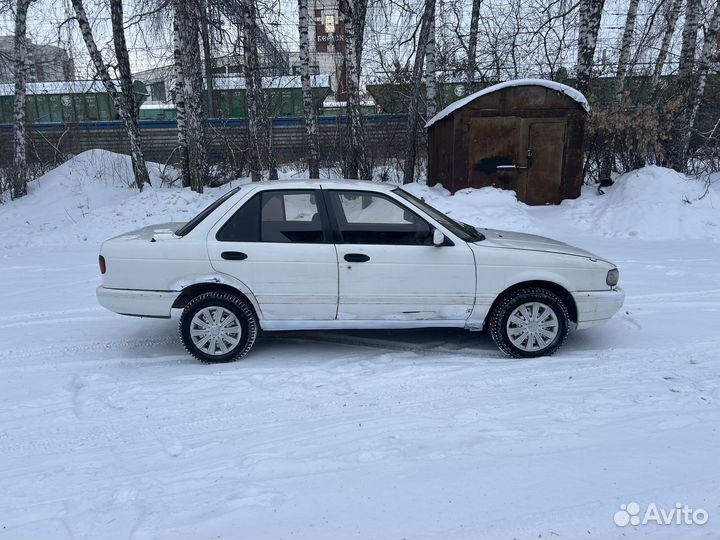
233	255
509	167
356	257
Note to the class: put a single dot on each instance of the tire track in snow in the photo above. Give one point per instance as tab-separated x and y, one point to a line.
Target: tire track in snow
265	420
59	320
707	295
60	351
388	344
52	315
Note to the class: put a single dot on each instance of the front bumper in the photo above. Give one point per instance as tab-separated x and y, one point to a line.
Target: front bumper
595	307
137	303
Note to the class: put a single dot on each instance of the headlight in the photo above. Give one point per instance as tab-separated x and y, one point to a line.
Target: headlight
612	277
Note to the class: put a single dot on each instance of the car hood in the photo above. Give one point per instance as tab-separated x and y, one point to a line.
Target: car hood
531	242
156	232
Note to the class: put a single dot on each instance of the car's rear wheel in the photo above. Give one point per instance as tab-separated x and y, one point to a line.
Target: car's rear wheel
529	322
218	327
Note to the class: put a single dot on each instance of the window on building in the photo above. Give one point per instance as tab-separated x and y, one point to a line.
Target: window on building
157	91
330	24
91	107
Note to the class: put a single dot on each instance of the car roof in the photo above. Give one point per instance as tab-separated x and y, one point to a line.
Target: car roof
306	183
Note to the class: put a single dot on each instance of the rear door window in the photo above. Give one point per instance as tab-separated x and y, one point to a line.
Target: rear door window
287	216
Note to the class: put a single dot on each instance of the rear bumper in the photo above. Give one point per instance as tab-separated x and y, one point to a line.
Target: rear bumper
137	303
595	307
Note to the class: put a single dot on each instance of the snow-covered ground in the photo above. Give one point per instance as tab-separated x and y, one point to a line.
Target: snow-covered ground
108	429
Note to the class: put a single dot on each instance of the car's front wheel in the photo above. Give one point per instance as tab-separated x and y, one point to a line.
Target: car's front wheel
218	327
529	322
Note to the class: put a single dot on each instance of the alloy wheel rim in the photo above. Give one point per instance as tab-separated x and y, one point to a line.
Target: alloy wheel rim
532	326
215	330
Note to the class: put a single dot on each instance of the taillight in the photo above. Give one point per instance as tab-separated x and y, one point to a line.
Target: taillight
101	262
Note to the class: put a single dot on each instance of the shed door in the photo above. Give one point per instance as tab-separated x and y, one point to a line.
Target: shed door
546	148
495	150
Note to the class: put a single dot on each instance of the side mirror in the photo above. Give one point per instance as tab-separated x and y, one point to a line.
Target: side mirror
438	238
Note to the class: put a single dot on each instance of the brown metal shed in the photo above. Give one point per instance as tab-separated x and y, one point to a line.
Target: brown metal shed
524	135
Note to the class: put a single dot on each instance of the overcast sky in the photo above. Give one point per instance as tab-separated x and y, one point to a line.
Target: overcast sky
151	46
148	46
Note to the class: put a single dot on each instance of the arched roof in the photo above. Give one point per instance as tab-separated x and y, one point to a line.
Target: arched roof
552	85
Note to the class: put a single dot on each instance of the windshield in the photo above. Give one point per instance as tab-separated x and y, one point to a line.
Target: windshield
194	222
467	232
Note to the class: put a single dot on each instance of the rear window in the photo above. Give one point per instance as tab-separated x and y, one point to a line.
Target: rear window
194	222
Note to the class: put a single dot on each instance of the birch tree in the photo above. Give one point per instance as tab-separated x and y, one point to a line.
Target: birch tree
625	48
356	159
472	43
126	103
607	164
426	22
689	39
709	51
685	84
186	21
205	34
259	123
671	17
430	72
181	117
311	126
255	138
127	92
20	172
359	18
590	16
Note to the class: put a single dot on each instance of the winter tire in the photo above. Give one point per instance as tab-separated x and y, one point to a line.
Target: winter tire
529	322
218	327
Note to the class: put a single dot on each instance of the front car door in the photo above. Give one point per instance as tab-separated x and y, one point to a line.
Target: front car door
277	243
389	270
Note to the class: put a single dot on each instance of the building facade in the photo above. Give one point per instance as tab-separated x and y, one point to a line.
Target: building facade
47	63
326	34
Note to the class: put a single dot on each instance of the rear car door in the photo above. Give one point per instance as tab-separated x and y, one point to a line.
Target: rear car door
277	243
388	267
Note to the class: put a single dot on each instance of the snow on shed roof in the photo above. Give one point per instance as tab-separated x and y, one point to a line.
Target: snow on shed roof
552	85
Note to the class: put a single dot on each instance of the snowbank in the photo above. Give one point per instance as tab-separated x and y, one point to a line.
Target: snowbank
89	198
652	203
487	207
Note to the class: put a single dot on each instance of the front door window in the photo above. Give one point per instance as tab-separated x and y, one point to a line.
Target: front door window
372	218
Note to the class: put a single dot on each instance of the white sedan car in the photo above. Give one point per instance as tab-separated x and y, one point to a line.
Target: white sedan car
350	255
